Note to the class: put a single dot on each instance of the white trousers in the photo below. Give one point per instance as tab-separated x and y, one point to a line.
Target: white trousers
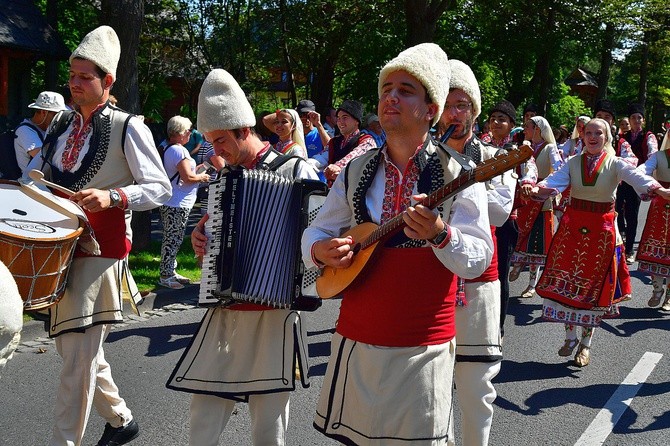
269	418
86	380
475	399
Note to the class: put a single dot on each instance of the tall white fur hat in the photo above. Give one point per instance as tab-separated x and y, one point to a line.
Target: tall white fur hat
101	46
222	105
429	64
464	79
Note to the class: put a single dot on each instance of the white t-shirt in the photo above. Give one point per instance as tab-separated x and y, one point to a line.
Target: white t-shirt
27	139
183	195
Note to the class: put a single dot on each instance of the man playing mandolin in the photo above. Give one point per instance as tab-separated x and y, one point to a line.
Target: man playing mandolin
389	378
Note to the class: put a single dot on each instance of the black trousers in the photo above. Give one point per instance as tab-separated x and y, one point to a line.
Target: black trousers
627	208
506	236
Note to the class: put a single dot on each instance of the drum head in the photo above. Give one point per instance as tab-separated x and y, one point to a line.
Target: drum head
22	216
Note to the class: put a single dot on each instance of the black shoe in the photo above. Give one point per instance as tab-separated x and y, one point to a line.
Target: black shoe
115	436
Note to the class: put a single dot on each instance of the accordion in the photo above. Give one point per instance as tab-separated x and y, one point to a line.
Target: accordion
256	220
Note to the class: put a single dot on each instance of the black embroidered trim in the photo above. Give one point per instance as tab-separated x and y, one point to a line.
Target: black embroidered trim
94	158
361	213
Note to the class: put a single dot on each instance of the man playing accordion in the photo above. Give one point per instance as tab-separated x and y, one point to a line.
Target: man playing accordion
245	352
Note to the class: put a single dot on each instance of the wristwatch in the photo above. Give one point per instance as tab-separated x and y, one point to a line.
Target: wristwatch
115	198
439	238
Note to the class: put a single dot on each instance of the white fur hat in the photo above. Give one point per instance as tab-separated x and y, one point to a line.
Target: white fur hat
429	64
101	46
222	105
464	79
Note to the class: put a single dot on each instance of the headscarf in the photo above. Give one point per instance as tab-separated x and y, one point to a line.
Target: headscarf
545	129
575	132
298	135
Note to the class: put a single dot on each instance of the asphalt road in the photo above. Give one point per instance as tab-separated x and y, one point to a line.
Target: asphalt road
542	398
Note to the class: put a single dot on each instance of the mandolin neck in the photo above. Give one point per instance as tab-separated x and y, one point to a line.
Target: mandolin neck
431	201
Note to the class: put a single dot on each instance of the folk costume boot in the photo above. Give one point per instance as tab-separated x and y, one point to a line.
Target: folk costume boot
583	356
657	293
666	302
514	273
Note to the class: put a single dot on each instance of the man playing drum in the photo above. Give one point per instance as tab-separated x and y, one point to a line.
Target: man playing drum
108	158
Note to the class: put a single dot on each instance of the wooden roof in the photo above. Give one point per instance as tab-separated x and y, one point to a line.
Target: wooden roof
23	27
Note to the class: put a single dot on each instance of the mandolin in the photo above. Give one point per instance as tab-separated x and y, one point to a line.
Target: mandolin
334	281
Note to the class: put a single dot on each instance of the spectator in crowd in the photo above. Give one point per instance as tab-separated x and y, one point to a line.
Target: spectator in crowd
286	124
331	121
180	168
374	129
194	142
316	136
350	143
30	132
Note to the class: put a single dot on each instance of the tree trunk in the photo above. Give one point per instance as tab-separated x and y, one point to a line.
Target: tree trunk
605	61
542	66
644	69
324	78
126	17
421	17
51	64
286	55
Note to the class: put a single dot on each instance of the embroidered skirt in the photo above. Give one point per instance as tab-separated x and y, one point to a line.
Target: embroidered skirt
536	227
653	253
579	278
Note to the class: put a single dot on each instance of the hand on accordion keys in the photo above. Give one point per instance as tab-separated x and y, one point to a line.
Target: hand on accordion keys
199	238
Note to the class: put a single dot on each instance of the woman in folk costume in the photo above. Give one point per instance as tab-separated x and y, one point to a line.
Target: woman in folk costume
536	220
653	253
287	125
575	144
579	280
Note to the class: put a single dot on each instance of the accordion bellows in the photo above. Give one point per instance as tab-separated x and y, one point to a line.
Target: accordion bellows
256	220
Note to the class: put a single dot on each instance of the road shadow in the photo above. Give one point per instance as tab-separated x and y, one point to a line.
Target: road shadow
522	310
594	397
512	371
161	339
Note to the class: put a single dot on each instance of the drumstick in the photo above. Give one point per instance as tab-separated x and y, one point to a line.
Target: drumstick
38	176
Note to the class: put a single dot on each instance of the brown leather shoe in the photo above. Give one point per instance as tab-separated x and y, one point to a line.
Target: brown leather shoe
514	273
583	356
568	347
655	298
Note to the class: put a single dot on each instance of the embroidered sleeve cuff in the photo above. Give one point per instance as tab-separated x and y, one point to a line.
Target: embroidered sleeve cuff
650	192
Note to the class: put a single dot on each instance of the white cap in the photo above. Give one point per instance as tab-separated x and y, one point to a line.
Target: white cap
464	79
429	64
101	46
222	105
50	101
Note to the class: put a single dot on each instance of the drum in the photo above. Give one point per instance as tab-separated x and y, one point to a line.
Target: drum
37	244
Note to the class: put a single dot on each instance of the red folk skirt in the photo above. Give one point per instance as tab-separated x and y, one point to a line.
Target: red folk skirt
582	265
536	227
653	254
